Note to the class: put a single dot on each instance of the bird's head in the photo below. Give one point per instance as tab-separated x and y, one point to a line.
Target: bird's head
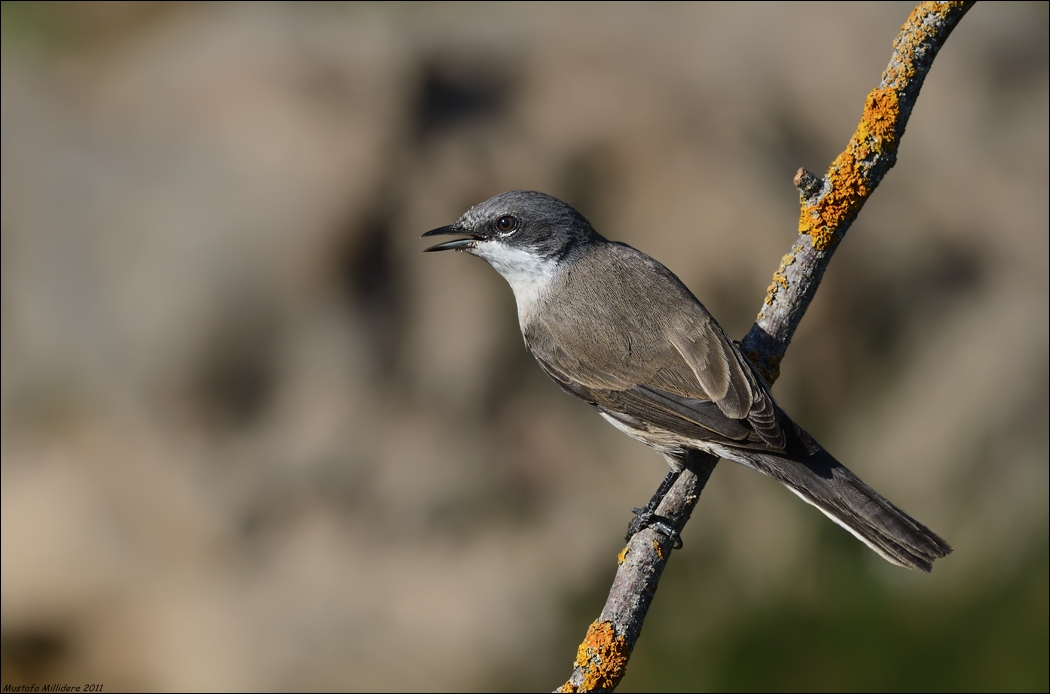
518	228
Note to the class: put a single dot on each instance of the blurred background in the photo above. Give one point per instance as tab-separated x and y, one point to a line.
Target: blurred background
253	438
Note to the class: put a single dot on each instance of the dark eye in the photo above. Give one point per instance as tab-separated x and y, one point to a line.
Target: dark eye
507	223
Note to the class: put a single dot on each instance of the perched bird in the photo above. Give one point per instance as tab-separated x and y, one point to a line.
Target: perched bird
617	329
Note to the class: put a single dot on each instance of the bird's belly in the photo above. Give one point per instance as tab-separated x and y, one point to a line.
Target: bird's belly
671	445
663	442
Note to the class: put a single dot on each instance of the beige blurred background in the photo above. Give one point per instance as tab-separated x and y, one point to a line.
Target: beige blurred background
253	438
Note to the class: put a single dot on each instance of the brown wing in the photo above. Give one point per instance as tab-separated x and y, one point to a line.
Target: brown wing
655	355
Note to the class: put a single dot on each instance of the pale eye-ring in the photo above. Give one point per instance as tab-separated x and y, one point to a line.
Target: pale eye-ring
507	224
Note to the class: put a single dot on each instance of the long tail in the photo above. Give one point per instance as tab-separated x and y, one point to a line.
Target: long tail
824	482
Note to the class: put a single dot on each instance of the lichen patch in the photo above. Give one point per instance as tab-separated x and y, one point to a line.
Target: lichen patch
603	658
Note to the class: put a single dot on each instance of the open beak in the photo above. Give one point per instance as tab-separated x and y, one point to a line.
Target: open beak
455	244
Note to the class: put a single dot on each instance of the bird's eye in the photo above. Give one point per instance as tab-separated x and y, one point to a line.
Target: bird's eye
507	224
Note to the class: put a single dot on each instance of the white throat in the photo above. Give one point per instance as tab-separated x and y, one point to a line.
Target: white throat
529	275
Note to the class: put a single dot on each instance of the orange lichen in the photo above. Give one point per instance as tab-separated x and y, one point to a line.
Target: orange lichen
603	658
622	556
659	549
915	34
877	134
849	173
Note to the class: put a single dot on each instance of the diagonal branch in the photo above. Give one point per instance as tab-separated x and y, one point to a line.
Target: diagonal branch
828	207
830	204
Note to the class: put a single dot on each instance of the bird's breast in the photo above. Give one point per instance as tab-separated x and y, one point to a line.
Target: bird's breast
529	275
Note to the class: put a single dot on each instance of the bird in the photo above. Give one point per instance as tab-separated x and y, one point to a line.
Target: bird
614	327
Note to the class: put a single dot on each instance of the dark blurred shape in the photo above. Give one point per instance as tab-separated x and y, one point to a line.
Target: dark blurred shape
950	268
32	655
370	279
368	270
458	90
237	371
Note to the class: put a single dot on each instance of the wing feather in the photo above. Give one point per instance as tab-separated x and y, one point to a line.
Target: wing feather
670	365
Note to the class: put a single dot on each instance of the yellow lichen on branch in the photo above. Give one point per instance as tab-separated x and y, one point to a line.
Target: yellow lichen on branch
602	657
849	173
914	36
779	278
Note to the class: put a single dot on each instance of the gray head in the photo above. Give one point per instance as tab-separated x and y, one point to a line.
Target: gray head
525	221
528	237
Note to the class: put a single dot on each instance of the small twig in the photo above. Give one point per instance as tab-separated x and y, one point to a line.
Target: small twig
828	207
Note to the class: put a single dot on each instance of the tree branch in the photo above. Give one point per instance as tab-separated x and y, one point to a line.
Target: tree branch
828	207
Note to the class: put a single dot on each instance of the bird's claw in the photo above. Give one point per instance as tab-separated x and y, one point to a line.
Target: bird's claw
644	518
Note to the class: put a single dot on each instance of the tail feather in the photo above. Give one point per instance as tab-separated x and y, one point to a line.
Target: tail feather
825	483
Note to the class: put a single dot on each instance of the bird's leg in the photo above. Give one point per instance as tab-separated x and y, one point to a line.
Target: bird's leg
646	517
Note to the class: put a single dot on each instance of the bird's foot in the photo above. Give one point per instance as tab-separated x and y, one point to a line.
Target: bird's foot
647	518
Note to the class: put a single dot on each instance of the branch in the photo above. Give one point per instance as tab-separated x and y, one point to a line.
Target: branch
828	207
